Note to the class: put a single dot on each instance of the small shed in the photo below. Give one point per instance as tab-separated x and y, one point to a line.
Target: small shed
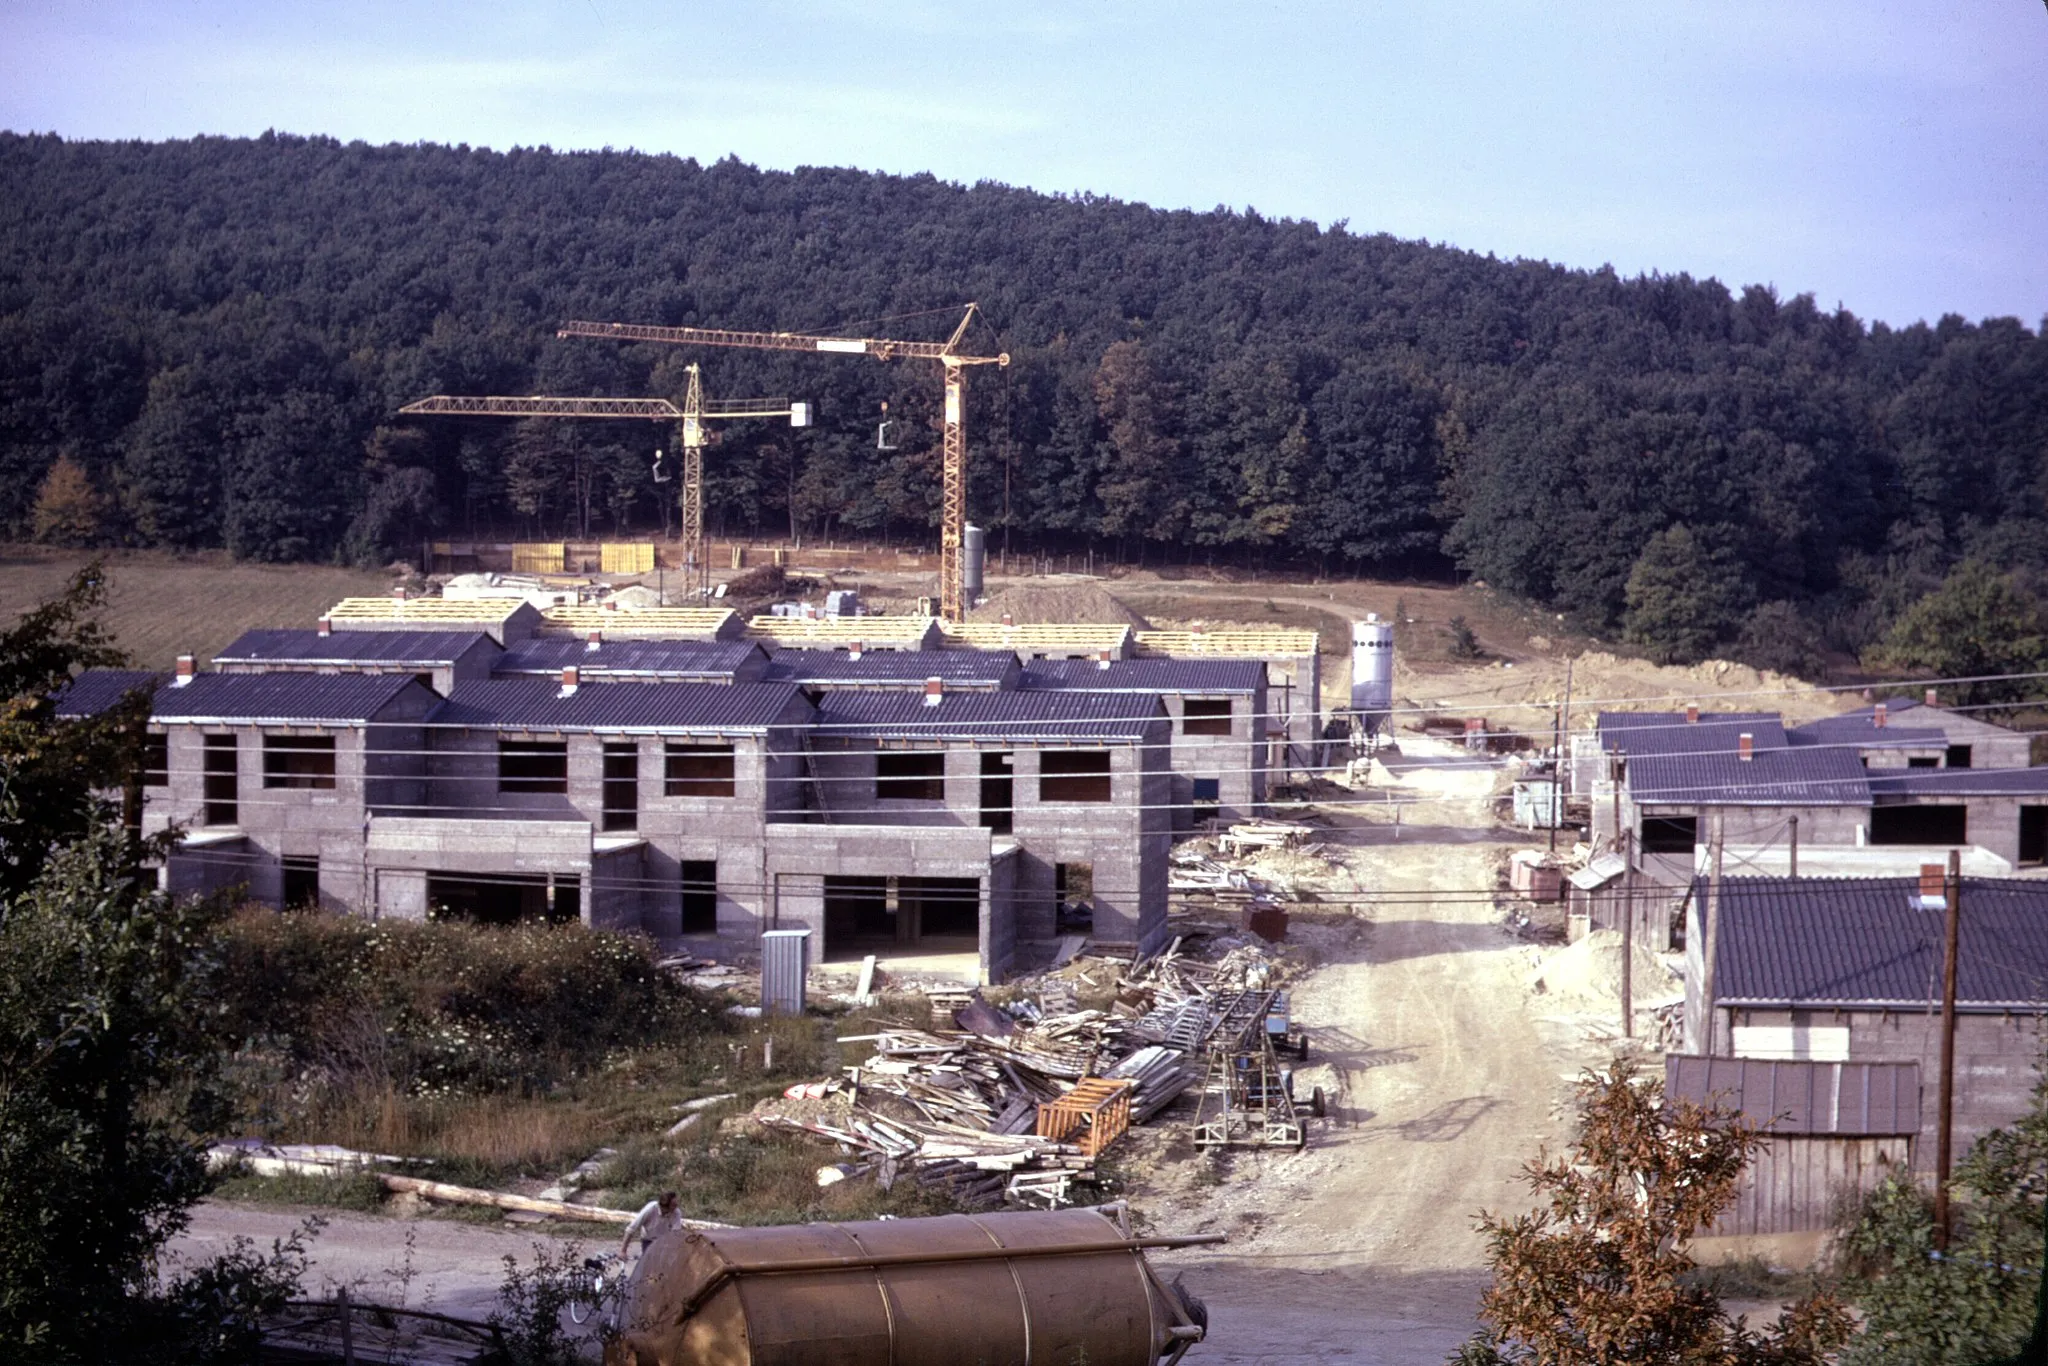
1836	1129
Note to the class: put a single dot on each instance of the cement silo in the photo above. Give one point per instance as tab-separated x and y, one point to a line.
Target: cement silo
973	563
1372	672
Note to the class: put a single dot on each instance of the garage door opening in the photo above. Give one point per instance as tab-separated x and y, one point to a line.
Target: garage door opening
1920	825
503	900
882	915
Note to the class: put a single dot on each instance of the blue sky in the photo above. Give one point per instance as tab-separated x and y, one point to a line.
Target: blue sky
1892	157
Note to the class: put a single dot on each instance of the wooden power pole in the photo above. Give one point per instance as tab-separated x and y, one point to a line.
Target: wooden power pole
1952	895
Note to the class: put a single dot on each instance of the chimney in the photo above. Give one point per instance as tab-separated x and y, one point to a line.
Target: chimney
1692	714
857	649
1932	695
1102	659
187	668
572	677
594	641
1878	716
1745	747
1009	620
398	592
934	690
326	627
611	604
1933	884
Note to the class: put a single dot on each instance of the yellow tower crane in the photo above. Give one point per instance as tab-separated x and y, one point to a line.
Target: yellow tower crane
952	360
691	433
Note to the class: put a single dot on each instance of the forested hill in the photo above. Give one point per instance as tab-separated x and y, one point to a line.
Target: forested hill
214	331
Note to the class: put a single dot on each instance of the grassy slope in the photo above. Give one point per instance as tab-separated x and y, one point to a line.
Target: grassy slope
165	605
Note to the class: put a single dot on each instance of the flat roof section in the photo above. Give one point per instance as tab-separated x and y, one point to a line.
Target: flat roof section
280	699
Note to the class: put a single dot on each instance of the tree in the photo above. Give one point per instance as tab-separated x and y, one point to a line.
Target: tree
1979	622
1596	1276
68	507
1978	1301
1684	597
111	1043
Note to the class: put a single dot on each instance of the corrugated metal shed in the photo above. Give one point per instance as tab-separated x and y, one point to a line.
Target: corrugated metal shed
679	659
1840	1098
1867	943
1242	676
403	649
536	704
281	698
1030	716
966	668
95	690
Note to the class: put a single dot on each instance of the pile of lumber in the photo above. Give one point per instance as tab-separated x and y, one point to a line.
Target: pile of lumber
1249	836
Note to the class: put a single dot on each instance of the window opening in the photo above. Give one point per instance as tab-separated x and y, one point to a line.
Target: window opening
301	884
1205	716
298	761
1073	775
700	896
912	775
533	766
698	771
622	785
222	781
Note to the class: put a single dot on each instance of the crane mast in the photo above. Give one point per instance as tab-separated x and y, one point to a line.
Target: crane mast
691	433
953	363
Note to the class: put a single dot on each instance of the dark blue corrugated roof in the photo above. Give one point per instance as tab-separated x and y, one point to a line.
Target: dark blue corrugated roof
1668	732
1784	776
964	668
537	704
682	659
1869	941
1037	716
1856	730
281	698
404	649
1154	675
1958	782
95	690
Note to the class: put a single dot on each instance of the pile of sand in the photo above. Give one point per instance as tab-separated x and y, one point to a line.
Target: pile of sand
1588	974
1058	604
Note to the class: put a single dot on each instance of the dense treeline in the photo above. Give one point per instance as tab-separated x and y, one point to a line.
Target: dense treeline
203	343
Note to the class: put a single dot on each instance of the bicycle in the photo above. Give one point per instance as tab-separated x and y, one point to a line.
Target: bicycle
600	1281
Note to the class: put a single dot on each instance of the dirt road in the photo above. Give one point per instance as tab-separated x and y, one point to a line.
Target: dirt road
1362	1248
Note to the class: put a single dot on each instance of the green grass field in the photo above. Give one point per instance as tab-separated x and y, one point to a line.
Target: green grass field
164	605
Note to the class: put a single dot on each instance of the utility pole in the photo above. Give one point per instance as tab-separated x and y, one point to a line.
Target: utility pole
1708	949
1945	1137
1628	949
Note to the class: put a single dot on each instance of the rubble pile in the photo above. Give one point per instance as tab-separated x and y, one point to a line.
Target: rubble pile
960	1109
1213	871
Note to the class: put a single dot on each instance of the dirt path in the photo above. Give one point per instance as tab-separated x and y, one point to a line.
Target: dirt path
1362	1248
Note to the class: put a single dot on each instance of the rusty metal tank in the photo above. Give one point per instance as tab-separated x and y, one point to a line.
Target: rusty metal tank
1027	1288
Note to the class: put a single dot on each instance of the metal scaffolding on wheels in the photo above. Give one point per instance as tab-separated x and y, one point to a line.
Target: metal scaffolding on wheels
1246	1100
691	435
953	491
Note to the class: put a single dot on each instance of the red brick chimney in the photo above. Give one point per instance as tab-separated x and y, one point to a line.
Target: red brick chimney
398	592
857	649
1102	659
326	627
572	677
594	641
1692	714
934	691
1879	715
1933	882
1932	695
1009	620
1745	747
188	668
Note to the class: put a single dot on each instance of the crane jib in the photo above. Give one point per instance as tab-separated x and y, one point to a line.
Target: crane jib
849	346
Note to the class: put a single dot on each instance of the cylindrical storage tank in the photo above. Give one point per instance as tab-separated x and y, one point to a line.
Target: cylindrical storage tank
1372	668
973	561
1028	1288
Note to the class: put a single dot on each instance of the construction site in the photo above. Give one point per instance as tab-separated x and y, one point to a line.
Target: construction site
1241	941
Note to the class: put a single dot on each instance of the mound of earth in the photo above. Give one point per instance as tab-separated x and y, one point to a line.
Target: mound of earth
1058	604
1588	973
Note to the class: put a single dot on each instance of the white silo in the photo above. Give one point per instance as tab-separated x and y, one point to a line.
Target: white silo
1372	671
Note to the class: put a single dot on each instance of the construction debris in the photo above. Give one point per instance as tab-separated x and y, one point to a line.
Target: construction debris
1017	1101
